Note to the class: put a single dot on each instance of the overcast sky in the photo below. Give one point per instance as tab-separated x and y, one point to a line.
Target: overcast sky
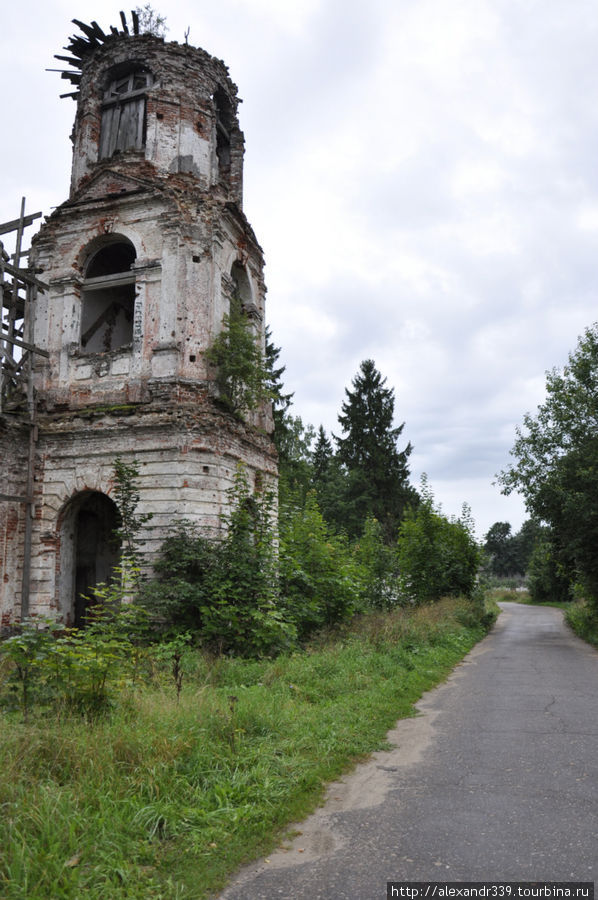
423	178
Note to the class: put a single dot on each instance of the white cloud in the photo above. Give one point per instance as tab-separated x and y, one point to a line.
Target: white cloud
423	180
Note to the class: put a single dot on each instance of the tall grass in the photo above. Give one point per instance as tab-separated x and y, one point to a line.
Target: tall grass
582	618
164	800
511	595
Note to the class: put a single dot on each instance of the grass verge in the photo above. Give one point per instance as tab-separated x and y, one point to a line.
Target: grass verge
518	596
163	801
583	620
510	595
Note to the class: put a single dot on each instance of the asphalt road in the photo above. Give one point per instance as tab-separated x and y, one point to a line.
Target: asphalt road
495	780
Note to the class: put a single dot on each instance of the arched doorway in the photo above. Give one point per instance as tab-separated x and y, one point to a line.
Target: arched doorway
89	552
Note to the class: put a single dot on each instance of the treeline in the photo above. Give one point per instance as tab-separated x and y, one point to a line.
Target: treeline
524	558
345	534
350	535
509	555
556	471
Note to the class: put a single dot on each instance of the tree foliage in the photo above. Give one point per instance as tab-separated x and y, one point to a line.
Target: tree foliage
377	470
550	575
318	586
509	554
243	376
223	590
281	401
499	547
556	454
150	21
378	568
437	556
294	442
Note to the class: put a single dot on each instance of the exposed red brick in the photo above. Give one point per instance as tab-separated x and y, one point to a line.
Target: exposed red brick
153	402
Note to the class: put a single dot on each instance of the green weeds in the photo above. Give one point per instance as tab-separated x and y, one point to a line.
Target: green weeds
176	786
509	595
582	618
499	595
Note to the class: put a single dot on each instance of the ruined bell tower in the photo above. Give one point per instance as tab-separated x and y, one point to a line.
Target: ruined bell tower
141	264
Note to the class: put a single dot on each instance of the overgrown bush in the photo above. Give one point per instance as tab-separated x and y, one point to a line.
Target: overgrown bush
223	590
582	617
23	655
548	578
377	568
319	584
437	556
242	371
76	670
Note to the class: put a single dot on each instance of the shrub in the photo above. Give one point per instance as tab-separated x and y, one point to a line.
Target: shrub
582	617
437	556
223	590
548	580
318	580
377	568
79	670
242	371
25	653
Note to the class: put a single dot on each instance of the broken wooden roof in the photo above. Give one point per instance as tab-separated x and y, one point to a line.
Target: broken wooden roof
81	46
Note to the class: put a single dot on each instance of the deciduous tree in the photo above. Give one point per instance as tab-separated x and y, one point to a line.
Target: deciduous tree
556	455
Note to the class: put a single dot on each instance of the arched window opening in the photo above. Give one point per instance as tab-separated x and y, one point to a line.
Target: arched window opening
90	552
242	294
224	124
108	299
123	113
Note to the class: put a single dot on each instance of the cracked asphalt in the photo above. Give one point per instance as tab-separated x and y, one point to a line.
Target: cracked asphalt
495	780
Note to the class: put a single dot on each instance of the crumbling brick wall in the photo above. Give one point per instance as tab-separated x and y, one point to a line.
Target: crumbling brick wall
141	263
14	443
181	113
186	453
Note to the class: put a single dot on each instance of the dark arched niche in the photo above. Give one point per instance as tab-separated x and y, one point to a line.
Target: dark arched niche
89	552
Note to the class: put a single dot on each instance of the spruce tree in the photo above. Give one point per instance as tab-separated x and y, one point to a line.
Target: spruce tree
329	481
280	400
291	437
377	470
322	455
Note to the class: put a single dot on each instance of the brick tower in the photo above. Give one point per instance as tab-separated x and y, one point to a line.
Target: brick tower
141	263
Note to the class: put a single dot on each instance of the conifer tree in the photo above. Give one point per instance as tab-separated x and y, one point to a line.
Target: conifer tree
280	400
377	470
322	455
329	480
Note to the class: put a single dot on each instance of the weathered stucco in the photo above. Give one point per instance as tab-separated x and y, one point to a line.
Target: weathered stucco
147	396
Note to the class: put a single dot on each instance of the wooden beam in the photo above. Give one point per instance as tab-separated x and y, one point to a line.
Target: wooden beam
98	31
108	281
14	223
24	276
87	30
24	345
69	59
